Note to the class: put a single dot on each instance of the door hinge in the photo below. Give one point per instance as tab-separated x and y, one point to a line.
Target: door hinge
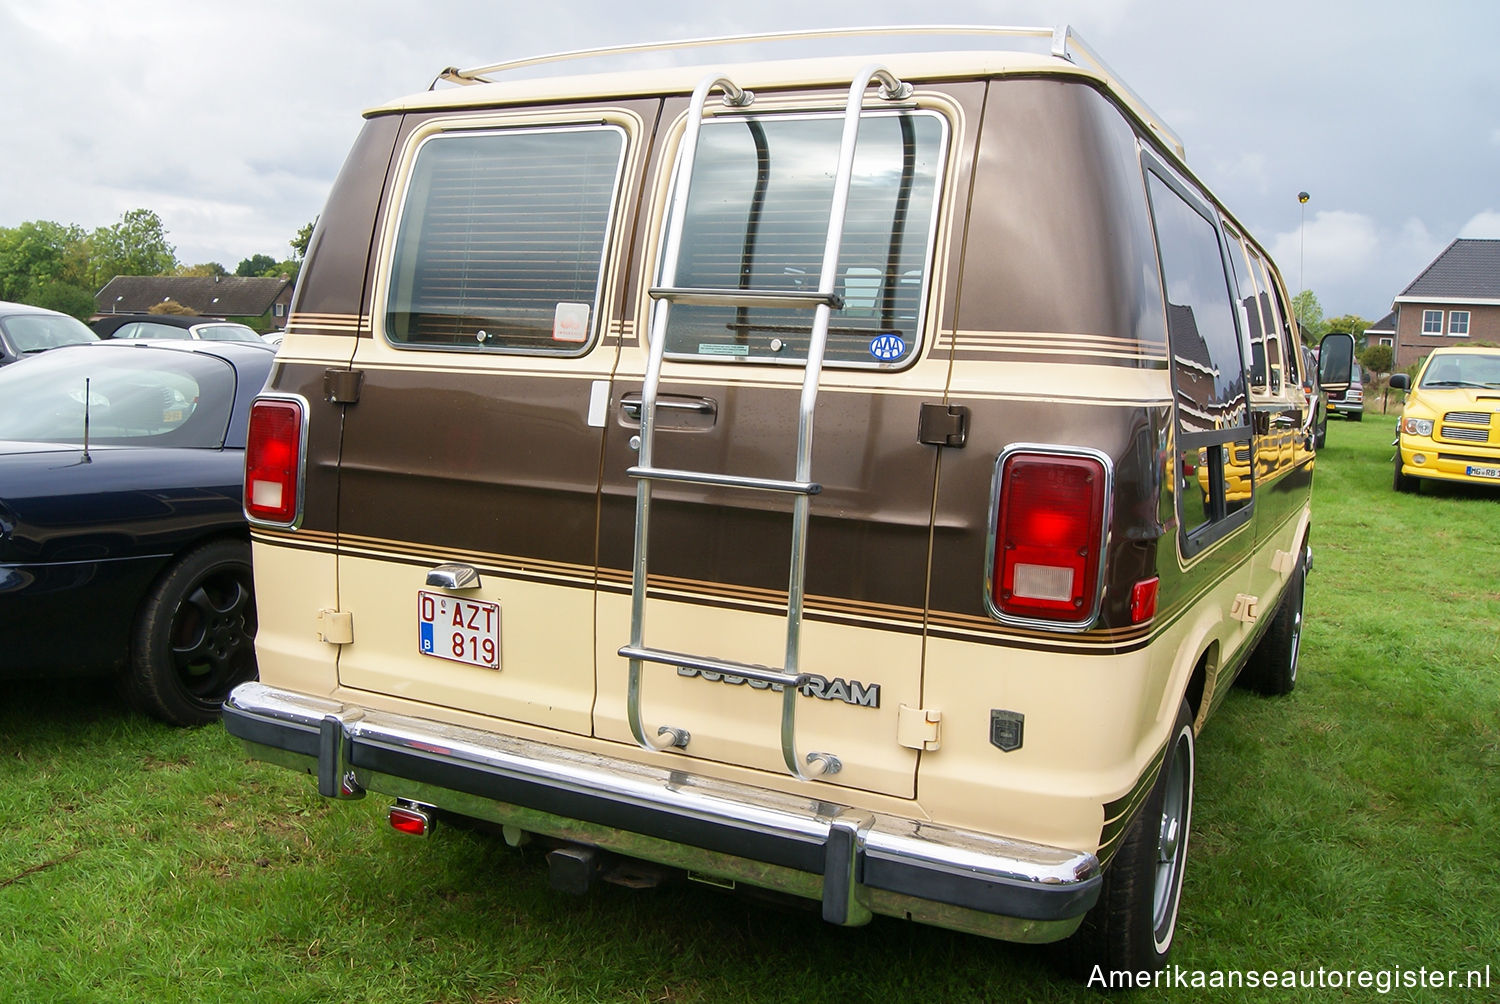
1283	562
1246	608
336	627
918	728
342	386
942	424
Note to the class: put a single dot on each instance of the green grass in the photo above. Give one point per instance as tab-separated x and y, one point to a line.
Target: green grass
1351	825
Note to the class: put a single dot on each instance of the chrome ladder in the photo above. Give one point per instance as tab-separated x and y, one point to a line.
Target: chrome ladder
801	486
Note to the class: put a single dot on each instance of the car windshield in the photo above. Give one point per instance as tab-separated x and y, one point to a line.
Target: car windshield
1463	370
39	332
226	333
125	396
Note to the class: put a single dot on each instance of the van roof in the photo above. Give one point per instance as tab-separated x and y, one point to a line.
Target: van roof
1018	51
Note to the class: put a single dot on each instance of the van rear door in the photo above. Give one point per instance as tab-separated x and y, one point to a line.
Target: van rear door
469	473
719	559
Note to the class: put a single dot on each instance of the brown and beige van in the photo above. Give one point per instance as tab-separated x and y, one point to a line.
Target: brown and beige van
853	477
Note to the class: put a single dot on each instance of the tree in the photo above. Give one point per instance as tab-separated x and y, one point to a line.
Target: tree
1378	359
288	269
207	268
255	265
1309	314
170	307
303	238
65	298
137	245
1351	323
39	253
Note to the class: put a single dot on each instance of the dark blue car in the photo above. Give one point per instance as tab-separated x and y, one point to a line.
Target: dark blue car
123	544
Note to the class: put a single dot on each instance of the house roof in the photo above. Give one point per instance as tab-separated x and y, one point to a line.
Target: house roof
1385	326
1467	269
211	296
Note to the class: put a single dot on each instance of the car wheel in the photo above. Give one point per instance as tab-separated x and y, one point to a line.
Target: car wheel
1403	482
195	639
1132	925
1356	416
1320	438
1272	669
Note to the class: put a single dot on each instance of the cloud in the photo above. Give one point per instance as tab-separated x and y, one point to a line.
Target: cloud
1482	225
1354	264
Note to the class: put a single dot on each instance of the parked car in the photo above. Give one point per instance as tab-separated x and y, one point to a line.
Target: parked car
952	665
206	329
123	547
26	330
1317	403
1448	429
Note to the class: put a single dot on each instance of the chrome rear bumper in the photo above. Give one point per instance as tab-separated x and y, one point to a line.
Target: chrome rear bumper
855	861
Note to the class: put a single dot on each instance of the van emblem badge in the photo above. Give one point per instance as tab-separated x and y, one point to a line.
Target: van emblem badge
888	347
860	695
1006	728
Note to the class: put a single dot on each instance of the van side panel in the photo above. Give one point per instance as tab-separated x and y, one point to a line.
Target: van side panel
1059	341
295	569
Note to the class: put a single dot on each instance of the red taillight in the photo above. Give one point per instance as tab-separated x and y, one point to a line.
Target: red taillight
1049	532
1143	600
410	820
273	460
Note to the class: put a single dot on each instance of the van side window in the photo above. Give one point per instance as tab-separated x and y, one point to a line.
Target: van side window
1250	311
757	219
1208	373
1276	314
501	239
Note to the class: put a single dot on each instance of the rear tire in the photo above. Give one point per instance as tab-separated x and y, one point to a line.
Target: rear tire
195	640
1132	926
1272	669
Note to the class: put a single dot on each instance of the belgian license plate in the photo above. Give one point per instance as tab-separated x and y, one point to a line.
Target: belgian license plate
1484	472
457	629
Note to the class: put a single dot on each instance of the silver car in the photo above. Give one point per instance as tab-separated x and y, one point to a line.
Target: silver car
26	330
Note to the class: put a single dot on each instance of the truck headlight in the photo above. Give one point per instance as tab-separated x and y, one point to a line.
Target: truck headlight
1417	426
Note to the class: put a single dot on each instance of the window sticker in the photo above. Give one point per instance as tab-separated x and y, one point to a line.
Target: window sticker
570	322
888	347
715	349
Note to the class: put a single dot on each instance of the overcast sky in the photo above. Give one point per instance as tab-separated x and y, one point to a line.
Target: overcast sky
230	120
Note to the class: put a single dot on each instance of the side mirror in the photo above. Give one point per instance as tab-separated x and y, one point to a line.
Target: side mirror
1400	381
1336	363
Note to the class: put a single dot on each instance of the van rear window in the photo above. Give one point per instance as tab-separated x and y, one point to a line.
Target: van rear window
501	239
757	219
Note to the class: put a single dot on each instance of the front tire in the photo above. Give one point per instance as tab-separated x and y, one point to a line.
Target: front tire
1404	483
195	640
1132	926
1272	668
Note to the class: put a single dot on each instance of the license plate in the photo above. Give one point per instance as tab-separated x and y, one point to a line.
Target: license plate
459	630
1484	472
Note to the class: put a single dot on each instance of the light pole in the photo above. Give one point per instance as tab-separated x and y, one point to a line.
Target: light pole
1302	198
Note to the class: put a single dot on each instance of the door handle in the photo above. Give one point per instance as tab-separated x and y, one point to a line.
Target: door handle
630	404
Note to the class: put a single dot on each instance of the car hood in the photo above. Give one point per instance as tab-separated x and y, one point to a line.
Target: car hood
58	504
1441	400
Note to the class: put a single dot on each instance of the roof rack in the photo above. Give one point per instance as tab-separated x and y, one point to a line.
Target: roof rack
1065	43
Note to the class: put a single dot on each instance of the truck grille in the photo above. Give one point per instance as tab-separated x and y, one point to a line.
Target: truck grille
1463	433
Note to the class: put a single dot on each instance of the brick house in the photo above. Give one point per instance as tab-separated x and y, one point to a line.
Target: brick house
222	296
1382	332
1456	300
